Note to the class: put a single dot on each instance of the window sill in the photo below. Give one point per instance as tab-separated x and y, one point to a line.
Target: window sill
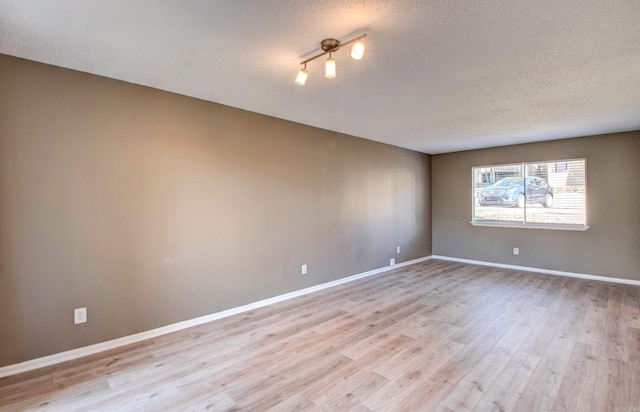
578	228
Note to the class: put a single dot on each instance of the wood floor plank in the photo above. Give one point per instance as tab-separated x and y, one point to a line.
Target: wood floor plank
482	376
425	397
530	401
578	383
433	336
505	392
350	392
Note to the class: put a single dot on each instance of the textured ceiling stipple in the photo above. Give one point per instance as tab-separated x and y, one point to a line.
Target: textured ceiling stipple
437	76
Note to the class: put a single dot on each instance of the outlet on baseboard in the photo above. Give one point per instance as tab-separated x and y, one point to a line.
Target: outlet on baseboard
516	251
392	262
79	315
303	269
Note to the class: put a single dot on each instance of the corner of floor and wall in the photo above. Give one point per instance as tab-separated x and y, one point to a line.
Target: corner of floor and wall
609	248
151	209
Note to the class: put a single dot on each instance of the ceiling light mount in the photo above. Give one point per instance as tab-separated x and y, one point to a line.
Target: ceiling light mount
330	46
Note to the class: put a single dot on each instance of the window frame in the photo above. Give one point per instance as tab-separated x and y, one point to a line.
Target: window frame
525	224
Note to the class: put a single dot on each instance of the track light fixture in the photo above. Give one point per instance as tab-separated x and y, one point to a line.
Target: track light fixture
330	46
302	76
330	68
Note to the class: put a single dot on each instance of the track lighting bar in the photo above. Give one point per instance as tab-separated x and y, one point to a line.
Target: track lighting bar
335	48
330	46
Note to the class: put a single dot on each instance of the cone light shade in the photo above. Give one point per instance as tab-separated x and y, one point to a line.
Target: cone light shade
357	51
330	68
301	79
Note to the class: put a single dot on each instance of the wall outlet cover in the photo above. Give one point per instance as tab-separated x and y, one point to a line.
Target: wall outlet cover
79	315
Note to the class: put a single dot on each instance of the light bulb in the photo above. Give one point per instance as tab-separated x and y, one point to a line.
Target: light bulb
301	78
357	51
330	68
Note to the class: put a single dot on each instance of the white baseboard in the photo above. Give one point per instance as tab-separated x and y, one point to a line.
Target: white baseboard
127	340
538	270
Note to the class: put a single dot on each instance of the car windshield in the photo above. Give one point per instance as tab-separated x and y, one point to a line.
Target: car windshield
509	182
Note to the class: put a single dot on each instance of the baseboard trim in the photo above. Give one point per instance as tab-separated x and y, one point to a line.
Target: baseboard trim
138	337
539	270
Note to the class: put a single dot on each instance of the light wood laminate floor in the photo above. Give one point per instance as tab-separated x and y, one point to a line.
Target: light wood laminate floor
432	336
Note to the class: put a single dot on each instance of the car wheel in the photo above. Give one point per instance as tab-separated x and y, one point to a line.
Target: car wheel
520	201
548	200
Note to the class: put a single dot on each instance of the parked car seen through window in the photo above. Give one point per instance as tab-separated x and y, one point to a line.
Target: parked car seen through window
542	195
511	191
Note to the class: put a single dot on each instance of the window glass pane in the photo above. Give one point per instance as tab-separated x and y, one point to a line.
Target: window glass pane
550	192
559	194
496	191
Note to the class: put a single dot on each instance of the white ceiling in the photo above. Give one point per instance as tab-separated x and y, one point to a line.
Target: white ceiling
437	76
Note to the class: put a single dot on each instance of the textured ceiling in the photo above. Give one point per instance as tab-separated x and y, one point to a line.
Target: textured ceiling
437	76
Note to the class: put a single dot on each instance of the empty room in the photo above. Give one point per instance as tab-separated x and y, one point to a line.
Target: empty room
320	205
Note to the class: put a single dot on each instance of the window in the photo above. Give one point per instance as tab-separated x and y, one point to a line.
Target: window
537	195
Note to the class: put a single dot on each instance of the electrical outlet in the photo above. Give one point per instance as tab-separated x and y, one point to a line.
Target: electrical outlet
79	315
303	269
516	251
397	249
392	262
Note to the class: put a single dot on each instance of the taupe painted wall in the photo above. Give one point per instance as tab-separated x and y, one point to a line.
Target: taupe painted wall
611	247
151	208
